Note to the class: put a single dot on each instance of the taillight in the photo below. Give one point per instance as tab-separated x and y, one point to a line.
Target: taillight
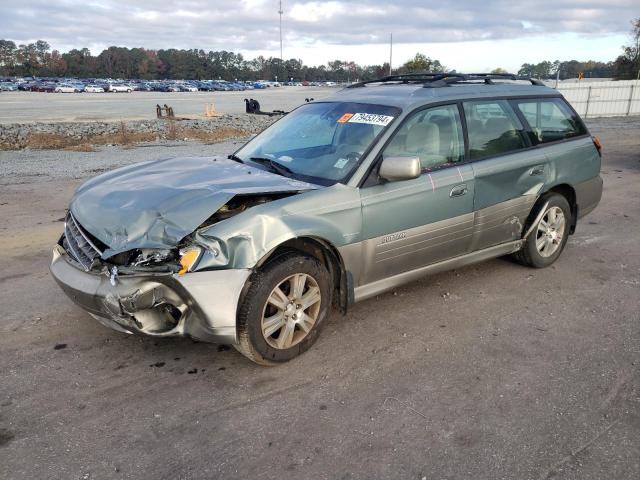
598	145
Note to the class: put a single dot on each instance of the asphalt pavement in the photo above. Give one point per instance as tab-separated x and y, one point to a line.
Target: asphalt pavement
30	107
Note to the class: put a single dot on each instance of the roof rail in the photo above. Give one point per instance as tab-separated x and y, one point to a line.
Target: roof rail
434	80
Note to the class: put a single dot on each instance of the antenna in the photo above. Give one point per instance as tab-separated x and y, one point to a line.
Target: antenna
280	12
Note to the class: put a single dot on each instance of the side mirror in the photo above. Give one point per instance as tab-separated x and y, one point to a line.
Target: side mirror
395	169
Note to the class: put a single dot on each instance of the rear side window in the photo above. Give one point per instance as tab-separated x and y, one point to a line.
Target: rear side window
493	128
550	120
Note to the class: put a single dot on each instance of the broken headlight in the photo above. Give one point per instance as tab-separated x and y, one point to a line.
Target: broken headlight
147	257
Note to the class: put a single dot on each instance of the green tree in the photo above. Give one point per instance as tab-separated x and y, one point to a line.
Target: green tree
8	52
627	65
421	63
27	58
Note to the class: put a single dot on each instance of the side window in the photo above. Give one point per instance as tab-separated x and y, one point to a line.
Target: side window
550	120
493	128
434	135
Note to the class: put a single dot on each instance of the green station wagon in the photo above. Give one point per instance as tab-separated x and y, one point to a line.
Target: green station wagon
338	201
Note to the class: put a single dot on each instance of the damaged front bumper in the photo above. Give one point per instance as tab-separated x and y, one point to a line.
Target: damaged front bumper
200	305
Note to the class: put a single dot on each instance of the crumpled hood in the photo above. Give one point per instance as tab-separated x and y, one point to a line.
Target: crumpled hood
156	204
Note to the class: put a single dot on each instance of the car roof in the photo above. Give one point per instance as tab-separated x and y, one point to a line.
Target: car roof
411	95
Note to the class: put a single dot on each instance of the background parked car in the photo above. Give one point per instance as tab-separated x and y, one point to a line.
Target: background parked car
205	86
187	87
93	89
115	88
142	87
44	87
66	88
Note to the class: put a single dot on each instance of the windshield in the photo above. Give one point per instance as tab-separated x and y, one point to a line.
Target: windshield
319	142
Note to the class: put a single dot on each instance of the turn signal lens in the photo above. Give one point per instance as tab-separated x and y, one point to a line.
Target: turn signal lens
596	142
189	258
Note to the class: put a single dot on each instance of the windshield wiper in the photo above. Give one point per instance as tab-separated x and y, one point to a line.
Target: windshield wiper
274	166
234	157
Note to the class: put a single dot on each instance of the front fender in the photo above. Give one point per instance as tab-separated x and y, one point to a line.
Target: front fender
332	214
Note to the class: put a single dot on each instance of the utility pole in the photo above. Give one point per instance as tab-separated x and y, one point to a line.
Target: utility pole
280	12
390	52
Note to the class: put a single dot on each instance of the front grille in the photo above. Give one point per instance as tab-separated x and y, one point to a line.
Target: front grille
78	244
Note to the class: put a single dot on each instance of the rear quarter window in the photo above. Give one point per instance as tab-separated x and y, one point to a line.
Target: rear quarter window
550	120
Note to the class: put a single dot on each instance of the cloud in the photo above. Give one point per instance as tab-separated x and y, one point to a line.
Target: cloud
252	25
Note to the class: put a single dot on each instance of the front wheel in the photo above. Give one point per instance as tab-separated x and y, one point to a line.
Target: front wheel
549	237
283	309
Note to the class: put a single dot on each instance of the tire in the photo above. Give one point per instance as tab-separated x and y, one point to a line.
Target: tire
298	328
128	91
547	240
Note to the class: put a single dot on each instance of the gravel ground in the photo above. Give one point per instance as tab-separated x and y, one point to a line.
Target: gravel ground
27	166
493	371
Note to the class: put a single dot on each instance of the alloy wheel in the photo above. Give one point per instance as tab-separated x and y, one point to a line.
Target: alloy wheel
550	231
291	311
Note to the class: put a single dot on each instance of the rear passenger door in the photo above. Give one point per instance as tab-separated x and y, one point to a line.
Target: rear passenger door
554	126
508	173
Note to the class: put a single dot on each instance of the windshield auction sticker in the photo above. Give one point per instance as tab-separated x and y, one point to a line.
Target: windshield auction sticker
345	118
371	119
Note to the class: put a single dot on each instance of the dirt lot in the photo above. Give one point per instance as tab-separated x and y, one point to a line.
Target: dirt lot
25	107
494	371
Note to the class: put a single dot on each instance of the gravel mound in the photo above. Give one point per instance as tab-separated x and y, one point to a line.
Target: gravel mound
73	134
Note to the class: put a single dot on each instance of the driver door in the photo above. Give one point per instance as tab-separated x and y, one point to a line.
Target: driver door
413	223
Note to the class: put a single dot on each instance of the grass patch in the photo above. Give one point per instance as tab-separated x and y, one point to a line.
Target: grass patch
214	136
82	147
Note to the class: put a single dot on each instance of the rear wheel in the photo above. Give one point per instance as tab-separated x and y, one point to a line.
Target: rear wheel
549	236
283	309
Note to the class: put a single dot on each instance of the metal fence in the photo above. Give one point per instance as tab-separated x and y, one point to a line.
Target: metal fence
603	99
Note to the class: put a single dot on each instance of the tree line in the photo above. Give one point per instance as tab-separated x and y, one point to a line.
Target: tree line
625	67
38	59
571	69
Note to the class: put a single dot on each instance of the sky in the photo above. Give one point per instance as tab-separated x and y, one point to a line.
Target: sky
466	35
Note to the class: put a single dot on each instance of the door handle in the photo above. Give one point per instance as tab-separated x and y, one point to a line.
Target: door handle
537	170
458	190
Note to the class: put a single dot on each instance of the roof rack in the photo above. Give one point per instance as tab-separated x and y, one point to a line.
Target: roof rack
435	80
